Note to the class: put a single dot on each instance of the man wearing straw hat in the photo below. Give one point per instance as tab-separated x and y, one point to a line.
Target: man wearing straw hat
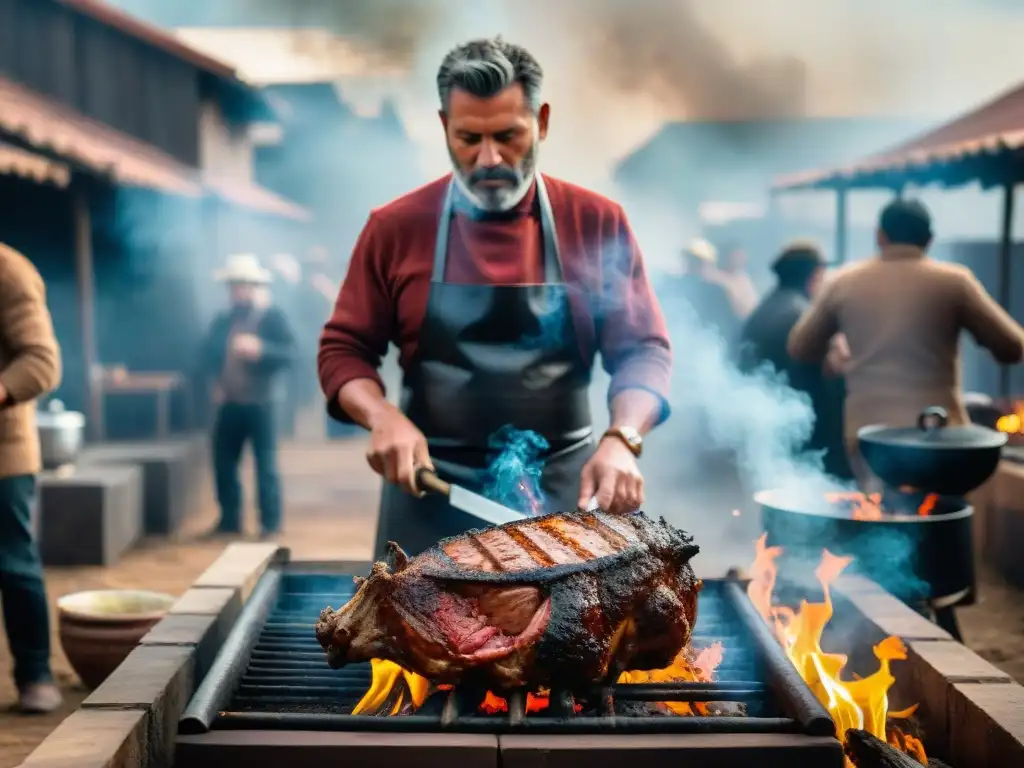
246	348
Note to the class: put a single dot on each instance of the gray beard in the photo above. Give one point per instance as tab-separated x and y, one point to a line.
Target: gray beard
498	199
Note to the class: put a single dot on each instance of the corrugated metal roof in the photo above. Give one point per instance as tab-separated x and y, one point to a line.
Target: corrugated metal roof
15	161
995	127
48	125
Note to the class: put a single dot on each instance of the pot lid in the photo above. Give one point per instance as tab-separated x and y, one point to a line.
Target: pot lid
934	432
56	416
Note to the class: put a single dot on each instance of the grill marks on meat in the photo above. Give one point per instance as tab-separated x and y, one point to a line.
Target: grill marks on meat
539	542
562	600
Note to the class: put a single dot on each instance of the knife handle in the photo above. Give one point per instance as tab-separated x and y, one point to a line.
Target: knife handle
429	482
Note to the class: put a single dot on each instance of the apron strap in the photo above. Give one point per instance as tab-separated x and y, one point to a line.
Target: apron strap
553	273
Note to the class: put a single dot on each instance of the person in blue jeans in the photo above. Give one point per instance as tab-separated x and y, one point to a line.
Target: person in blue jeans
247	347
29	367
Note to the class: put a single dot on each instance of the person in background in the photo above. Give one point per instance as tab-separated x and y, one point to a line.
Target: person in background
799	270
733	276
30	367
901	314
500	285
246	347
699	291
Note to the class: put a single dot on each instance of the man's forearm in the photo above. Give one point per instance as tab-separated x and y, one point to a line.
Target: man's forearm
363	400
636	408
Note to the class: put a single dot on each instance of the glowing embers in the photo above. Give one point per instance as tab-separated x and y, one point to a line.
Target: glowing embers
861	703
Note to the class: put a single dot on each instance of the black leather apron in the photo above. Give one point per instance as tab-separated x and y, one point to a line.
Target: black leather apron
491	356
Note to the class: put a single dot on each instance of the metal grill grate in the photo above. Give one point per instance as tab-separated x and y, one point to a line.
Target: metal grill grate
287	671
285	682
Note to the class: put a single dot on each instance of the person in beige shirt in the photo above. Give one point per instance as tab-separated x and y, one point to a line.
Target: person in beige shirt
29	368
901	314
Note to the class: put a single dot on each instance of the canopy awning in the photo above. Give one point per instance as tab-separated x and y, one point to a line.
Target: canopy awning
955	153
15	161
48	126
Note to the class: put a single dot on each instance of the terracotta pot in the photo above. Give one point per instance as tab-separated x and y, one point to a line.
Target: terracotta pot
99	629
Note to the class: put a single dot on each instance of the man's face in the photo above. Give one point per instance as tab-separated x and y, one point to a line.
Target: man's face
493	145
243	294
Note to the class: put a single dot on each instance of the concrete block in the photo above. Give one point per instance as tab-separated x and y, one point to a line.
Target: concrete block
197	632
239	567
90	515
94	739
159	680
167	477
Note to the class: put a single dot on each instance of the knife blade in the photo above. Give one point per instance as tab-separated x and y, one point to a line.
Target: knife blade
473	504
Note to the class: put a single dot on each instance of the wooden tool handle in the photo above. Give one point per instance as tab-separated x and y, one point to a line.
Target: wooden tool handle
429	482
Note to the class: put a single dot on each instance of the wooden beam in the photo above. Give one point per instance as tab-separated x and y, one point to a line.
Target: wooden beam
1005	270
841	225
87	306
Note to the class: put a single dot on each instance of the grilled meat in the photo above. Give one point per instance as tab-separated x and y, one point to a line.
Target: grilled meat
565	600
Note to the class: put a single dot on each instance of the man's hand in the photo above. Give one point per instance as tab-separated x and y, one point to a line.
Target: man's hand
3	393
397	449
248	346
613	476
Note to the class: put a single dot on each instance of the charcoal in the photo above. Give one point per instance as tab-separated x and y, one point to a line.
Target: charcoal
868	751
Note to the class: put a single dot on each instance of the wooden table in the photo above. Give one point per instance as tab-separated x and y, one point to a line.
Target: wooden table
161	385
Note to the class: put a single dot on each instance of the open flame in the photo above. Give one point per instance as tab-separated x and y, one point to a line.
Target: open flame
862	703
868	506
1012	423
394	690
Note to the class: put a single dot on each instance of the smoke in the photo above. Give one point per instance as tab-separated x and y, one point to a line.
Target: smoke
661	50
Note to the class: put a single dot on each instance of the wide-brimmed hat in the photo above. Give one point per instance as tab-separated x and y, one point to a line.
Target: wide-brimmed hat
702	249
243	268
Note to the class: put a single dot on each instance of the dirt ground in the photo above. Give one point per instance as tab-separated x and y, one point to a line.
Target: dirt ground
331	499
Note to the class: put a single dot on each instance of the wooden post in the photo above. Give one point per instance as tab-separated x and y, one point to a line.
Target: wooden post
87	307
841	222
1005	269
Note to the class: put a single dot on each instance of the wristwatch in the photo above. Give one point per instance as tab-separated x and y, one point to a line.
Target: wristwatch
630	437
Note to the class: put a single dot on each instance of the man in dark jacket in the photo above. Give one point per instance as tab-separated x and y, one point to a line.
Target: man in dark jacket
800	270
246	347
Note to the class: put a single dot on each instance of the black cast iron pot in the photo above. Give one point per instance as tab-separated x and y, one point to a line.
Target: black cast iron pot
916	558
933	456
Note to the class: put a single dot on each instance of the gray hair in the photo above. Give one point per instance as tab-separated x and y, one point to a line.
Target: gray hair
486	67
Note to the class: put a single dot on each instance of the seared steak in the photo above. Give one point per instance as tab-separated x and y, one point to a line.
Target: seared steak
565	600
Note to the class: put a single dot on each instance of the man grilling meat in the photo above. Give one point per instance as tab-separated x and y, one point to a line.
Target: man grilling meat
800	270
901	313
499	285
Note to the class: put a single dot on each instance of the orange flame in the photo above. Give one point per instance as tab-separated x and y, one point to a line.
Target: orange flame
861	703
868	506
394	689
1012	423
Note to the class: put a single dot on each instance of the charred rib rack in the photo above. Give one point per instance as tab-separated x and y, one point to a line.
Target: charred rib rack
270	686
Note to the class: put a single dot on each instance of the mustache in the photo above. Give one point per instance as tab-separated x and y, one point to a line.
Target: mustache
497	173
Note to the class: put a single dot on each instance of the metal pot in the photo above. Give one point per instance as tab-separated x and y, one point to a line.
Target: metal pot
914	557
933	456
61	435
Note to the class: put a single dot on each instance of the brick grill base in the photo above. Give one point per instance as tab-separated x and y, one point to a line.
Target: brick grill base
972	713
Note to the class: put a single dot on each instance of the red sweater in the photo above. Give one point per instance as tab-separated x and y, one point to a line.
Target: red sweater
384	296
